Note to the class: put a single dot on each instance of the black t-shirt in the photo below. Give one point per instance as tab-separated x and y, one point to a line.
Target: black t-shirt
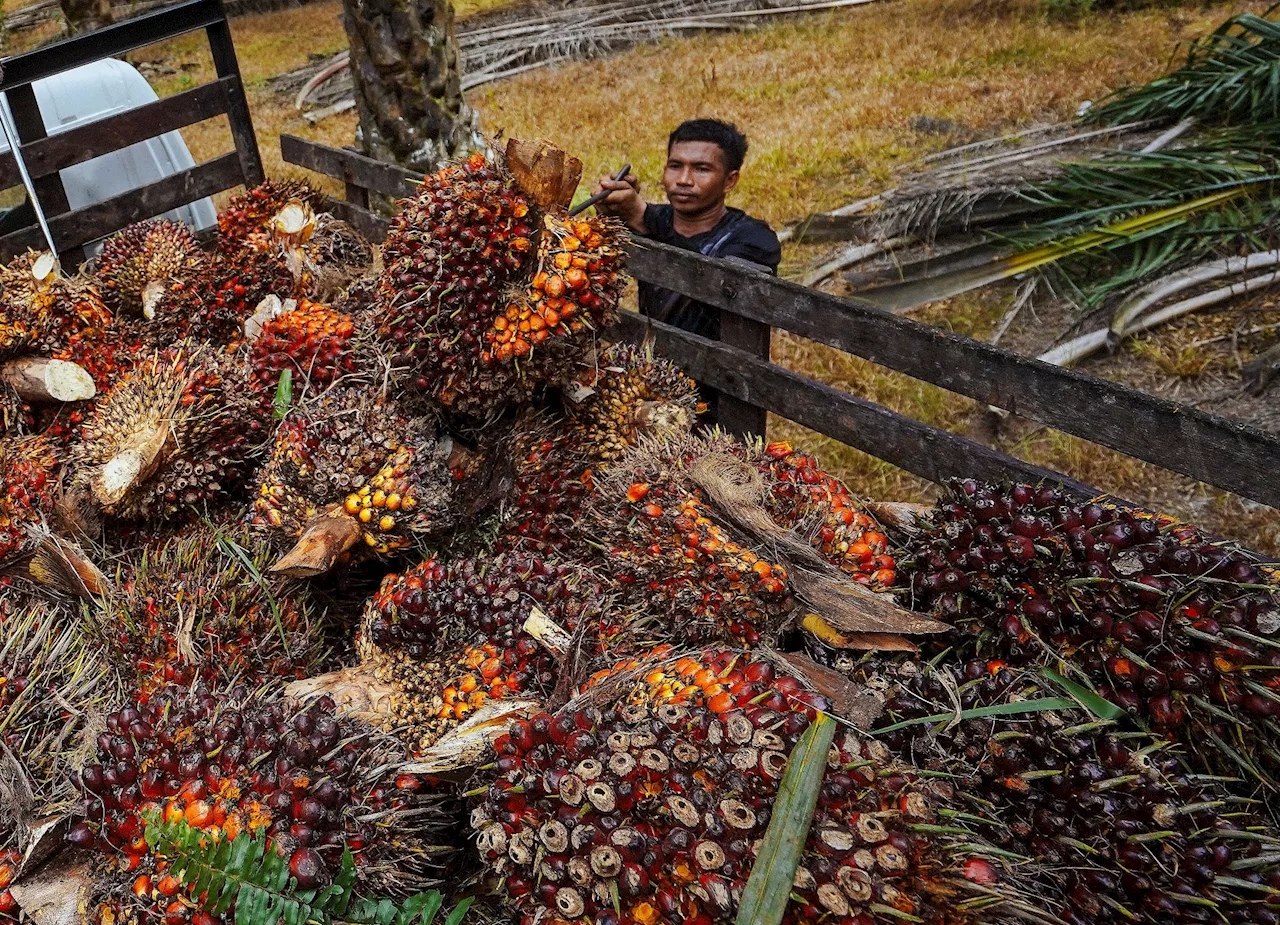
736	235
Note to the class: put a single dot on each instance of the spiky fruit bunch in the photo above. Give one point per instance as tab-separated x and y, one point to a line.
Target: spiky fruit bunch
52	307
676	552
354	459
625	394
1111	825
147	262
450	636
574	290
53	681
1177	629
233	763
312	340
222	298
30	468
198	608
177	431
447	259
801	495
646	798
251	211
436	606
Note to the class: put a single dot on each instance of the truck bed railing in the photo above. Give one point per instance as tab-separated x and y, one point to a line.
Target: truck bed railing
1224	453
46	154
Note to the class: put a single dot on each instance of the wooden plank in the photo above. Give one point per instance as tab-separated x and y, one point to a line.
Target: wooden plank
370	224
740	418
227	68
350	167
109	42
102	136
103	218
1230	455
926	451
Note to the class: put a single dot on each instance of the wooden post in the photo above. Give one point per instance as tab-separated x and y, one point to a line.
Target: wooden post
739	418
224	62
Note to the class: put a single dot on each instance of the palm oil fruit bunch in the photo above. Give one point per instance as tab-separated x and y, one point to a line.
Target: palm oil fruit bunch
450	637
351	471
573	293
625	394
236	763
799	493
147	263
312	340
196	608
53	682
30	470
617	398
551	484
1175	628
448	257
251	212
53	307
675	553
176	432
325	254
1112	826
645	799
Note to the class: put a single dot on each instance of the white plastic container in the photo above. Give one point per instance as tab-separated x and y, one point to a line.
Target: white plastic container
98	90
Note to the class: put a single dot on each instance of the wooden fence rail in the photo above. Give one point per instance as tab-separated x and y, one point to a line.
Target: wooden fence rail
45	155
1230	455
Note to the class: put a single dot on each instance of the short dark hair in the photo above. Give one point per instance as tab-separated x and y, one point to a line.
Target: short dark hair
725	134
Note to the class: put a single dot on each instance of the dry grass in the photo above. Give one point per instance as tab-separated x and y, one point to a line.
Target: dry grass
827	100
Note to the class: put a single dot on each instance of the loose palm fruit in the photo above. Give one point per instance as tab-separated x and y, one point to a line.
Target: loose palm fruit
1178	629
145	263
350	469
175	432
9	862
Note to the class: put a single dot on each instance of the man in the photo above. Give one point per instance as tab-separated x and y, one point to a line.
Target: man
704	161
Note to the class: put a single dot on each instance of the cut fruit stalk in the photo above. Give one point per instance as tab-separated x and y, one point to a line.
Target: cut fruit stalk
40	379
324	541
133	466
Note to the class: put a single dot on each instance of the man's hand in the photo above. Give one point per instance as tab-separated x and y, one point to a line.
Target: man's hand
623	201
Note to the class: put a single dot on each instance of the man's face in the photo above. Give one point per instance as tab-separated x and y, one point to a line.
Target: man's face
696	178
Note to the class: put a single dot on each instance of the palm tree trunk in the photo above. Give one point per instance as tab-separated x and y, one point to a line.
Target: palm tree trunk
408	92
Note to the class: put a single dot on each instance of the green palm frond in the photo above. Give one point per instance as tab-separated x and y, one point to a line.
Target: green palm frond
1231	76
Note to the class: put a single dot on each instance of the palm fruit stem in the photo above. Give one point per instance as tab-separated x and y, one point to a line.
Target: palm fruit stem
133	465
322	543
40	379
